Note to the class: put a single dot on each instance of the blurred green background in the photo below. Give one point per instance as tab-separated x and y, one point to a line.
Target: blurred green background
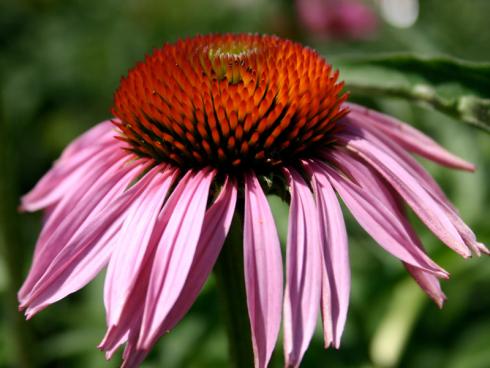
61	60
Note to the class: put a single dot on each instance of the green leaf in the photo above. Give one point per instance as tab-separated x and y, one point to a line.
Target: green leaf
455	87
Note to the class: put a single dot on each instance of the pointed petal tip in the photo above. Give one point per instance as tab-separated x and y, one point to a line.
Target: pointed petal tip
31	310
291	361
338	338
461	164
22	303
327	342
440	301
445	276
107	353
103	344
336	344
440	273
26	206
483	249
28	314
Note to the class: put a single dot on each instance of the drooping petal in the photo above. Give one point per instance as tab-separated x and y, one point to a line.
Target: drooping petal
132	242
336	268
133	357
73	206
378	219
83	247
214	230
406	136
371	183
303	271
263	271
100	134
174	255
62	179
67	173
430	185
127	328
404	159
70	215
129	322
423	177
428	282
423	204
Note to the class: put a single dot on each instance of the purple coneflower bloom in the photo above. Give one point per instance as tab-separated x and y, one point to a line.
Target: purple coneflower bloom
341	19
199	126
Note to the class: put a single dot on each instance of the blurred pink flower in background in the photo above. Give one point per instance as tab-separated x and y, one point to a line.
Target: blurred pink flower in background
344	19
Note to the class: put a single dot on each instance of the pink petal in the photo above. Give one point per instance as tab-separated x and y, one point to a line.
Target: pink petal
132	243
370	182
428	282
174	255
303	276
215	227
129	322
128	327
373	184
263	271
336	268
74	201
102	133
91	148
134	357
429	184
423	204
404	159
377	217
70	215
406	136
63	178
85	246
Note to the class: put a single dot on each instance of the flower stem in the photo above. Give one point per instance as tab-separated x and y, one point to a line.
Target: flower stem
229	275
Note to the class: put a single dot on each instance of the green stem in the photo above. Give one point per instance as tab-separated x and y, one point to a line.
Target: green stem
229	275
467	109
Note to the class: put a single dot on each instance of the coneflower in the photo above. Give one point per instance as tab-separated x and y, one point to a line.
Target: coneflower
200	128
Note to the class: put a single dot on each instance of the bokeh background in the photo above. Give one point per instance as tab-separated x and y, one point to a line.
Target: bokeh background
61	60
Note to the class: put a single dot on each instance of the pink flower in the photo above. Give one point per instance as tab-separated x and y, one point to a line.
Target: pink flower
344	19
200	124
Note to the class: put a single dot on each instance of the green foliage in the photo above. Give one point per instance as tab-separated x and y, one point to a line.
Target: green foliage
455	87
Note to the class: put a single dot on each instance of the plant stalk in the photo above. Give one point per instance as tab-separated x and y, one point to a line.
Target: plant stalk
231	285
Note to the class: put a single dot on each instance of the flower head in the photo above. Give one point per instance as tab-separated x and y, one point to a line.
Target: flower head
229	102
197	126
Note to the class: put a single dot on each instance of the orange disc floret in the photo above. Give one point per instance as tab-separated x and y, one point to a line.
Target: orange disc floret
229	101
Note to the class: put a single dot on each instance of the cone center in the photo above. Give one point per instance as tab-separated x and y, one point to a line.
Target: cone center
230	102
